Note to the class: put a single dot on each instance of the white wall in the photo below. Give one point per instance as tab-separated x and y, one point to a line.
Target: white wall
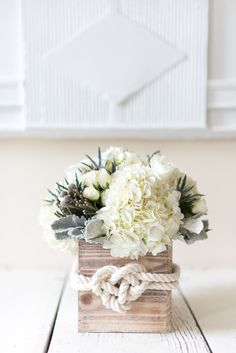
221	73
222	43
10	40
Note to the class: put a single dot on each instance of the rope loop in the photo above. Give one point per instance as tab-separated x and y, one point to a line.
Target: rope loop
118	287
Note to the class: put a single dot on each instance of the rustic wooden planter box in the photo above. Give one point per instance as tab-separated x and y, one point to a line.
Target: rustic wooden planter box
150	313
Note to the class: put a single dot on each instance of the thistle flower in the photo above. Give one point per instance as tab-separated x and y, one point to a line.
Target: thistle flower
70	200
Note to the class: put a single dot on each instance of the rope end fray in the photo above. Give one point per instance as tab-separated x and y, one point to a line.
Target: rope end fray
118	287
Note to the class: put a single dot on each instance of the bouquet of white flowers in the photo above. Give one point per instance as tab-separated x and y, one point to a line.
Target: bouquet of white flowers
130	205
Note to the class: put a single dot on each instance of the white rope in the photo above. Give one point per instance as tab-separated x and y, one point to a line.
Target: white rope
118	287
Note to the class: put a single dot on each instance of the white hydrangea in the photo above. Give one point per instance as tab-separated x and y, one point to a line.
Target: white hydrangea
46	218
141	213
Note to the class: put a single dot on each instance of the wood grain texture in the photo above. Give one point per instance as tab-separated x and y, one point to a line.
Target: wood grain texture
28	307
184	338
150	313
211	294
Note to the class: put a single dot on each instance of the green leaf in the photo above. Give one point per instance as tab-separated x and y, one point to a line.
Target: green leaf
92	160
61	187
187	198
52	193
99	158
113	167
87	165
49	201
77	181
59	214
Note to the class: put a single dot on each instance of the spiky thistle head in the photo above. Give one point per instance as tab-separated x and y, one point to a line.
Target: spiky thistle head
70	200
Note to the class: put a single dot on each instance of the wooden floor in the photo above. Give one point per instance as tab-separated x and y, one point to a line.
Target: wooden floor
38	314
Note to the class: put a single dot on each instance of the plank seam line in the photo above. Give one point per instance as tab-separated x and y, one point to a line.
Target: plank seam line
48	343
195	319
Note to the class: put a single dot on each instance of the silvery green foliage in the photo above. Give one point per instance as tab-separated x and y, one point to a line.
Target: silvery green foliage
191	237
71	226
94	231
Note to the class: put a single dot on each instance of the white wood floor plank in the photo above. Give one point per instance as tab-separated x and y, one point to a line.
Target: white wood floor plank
28	303
186	337
211	294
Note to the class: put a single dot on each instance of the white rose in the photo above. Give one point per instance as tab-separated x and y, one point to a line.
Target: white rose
120	156
103	178
114	154
91	193
90	178
200	206
194	225
161	166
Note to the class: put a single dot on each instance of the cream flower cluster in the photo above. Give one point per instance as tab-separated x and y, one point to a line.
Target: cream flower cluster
131	205
141	213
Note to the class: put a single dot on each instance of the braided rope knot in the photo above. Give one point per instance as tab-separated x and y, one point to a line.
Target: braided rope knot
118	287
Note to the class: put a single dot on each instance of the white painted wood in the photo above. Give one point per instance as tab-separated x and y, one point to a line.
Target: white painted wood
186	337
221	94
174	99
221	118
12	117
11	72
136	62
83	133
10	39
211	294
222	46
28	303
29	300
11	93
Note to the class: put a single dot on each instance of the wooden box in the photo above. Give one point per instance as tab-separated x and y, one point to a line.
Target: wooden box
150	313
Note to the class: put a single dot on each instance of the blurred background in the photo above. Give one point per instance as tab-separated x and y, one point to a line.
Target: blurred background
54	109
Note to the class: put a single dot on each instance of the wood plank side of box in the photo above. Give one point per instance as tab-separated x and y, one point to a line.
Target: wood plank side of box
150	313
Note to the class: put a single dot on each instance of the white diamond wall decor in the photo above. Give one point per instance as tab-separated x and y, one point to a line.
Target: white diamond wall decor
148	60
115	57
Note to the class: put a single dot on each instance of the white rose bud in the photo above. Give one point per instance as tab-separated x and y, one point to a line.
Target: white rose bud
194	225
90	178
199	207
91	193
104	178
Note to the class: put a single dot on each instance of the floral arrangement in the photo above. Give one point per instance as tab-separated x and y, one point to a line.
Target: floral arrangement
131	205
